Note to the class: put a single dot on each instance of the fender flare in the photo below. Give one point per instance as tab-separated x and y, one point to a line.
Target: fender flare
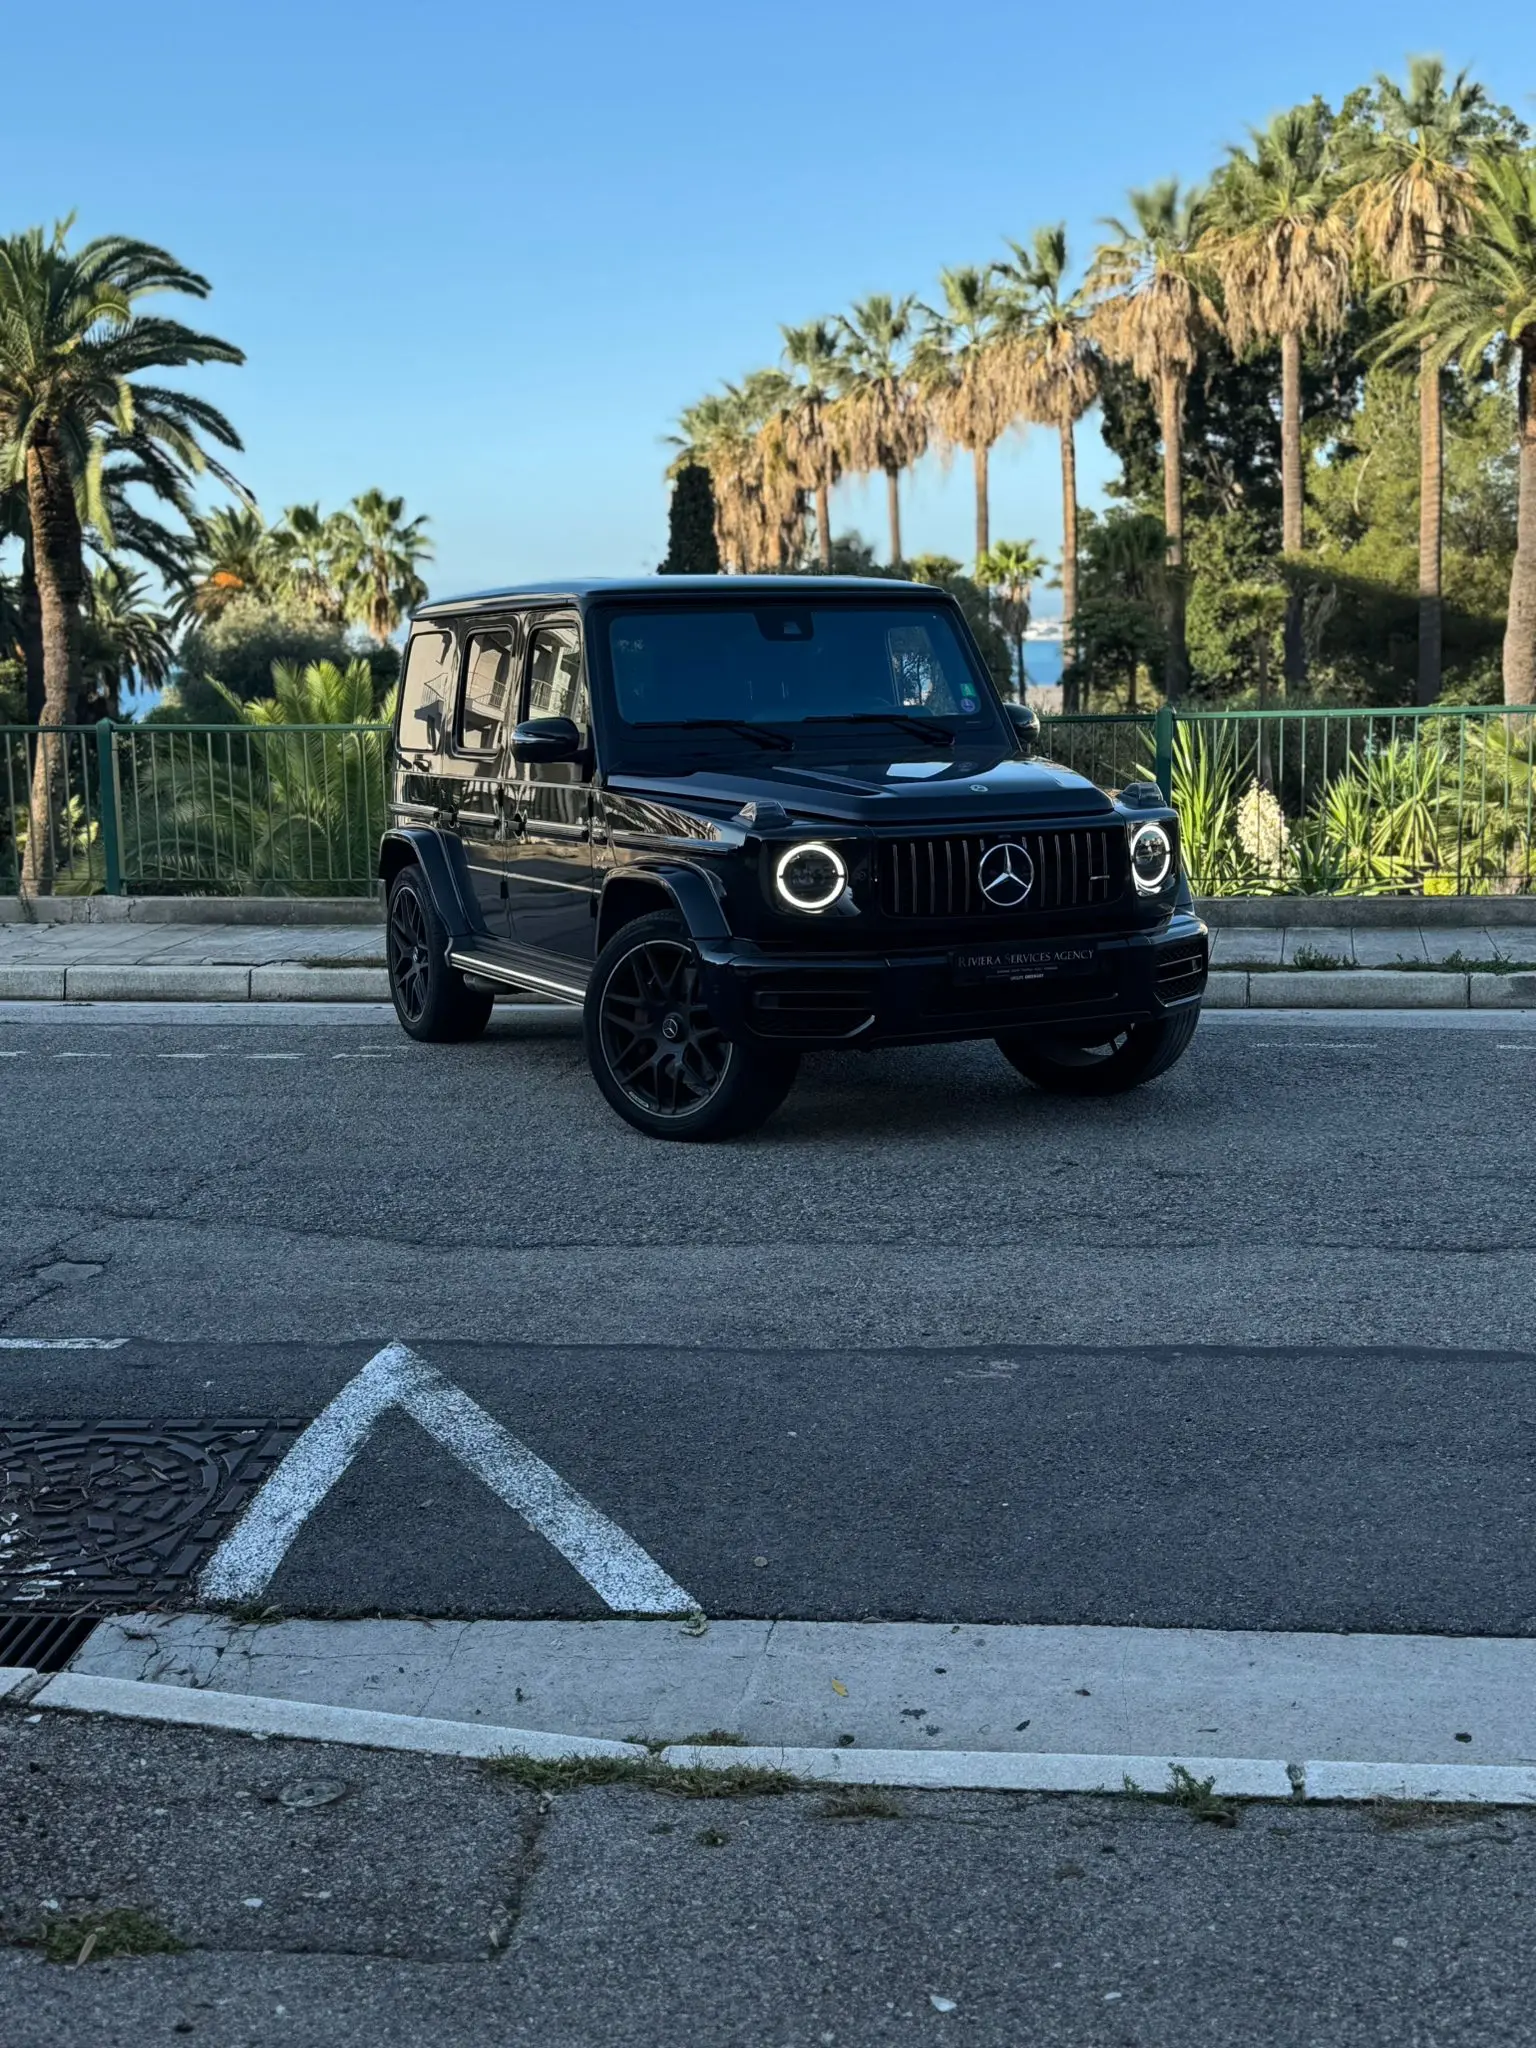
675	885
441	862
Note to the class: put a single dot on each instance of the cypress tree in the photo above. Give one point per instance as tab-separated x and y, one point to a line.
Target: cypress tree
692	549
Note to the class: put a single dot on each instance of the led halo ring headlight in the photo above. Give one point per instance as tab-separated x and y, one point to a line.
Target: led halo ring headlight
1151	857
810	876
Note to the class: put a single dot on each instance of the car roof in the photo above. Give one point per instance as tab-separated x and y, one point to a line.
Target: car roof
578	589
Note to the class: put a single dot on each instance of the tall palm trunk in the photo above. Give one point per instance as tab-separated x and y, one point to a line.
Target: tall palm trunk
979	456
1292	526
56	547
824	522
893	511
1520	633
31	634
1171	409
1068	558
1431	520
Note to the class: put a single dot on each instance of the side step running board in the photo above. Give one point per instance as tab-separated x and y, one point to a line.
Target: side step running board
506	976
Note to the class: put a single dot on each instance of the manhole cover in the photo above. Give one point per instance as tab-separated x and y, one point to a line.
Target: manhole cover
115	1514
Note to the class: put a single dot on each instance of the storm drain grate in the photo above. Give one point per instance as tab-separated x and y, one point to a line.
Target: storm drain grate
42	1642
121	1514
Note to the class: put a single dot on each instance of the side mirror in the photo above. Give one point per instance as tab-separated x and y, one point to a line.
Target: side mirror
547	739
1025	721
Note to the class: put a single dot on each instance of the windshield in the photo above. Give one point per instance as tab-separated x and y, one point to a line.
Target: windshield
902	669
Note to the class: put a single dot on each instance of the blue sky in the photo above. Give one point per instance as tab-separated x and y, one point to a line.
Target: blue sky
481	253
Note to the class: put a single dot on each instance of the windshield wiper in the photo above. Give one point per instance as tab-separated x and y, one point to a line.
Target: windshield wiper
774	742
926	729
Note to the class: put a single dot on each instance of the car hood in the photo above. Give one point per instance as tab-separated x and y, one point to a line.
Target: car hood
886	792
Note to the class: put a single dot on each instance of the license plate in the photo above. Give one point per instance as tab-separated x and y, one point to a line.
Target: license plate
1024	963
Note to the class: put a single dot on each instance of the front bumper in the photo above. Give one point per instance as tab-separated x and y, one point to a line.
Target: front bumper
810	1001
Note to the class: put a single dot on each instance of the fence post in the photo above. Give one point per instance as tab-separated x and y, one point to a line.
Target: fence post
1162	740
107	810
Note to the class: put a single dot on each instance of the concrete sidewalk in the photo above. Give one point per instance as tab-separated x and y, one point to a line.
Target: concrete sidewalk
1300	966
165	1884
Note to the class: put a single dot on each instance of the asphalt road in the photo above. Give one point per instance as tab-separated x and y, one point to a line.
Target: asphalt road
1249	1349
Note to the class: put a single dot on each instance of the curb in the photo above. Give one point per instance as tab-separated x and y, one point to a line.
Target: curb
275	984
913	1770
1345	988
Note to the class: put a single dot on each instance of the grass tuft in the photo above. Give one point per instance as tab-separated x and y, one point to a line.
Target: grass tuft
857	1805
1393	1814
1198	1798
1313	960
717	1738
122	1931
650	1774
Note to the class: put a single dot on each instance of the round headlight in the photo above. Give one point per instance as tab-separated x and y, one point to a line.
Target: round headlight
1151	857
810	877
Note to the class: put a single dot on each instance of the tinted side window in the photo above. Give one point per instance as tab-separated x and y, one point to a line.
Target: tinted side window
424	691
490	691
555	688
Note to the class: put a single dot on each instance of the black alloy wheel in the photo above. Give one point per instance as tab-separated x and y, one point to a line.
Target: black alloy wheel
656	1051
432	1000
1066	1063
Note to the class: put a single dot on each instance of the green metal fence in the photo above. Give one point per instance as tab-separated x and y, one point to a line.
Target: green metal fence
194	809
1294	802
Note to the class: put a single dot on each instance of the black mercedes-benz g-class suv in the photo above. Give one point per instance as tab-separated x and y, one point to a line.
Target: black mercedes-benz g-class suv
739	818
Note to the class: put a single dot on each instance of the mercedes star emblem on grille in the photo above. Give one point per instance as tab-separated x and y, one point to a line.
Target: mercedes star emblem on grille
1006	874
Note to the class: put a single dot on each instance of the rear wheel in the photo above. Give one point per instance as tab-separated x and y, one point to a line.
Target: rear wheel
1069	1063
432	1000
657	1053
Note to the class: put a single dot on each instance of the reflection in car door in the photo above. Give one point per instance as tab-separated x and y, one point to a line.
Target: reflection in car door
487	708
550	866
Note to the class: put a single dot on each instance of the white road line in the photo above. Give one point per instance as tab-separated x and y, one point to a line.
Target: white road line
181	1055
625	1577
62	1343
271	1055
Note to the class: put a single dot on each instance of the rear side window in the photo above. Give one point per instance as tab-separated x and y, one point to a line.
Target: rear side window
490	691
424	692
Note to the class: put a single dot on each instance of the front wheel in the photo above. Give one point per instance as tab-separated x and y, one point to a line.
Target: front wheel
657	1053
1067	1063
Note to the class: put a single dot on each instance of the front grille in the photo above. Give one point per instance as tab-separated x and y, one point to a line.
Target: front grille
1074	867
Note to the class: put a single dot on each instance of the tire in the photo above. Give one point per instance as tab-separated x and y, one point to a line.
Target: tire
1067	1065
432	1000
657	1054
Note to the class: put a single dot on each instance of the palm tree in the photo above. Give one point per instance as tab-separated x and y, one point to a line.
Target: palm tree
233	557
884	424
378	557
758	503
1011	569
1061	367
1483	299
970	373
74	353
1154	311
1414	193
306	548
126	639
1281	250
809	432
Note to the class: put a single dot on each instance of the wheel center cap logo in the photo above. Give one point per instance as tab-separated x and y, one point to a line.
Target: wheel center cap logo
672	1027
1006	874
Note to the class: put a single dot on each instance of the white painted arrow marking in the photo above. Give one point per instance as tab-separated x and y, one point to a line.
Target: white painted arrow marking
625	1577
